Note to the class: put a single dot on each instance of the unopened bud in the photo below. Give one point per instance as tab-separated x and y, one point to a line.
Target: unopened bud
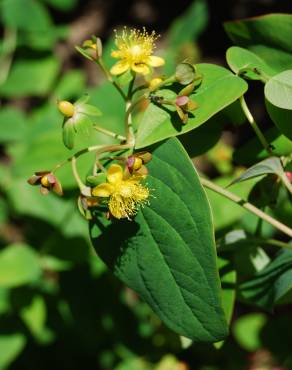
289	175
45	181
66	108
181	100
155	82
134	163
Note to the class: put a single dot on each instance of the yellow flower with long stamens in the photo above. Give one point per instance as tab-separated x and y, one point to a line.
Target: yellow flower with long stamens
125	194
135	50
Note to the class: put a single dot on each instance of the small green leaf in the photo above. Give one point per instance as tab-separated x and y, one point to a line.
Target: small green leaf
11	346
219	88
185	73
167	254
267	166
34	315
247	330
244	62
266	288
19	265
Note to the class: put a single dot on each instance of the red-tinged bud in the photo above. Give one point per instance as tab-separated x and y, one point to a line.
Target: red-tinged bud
182	100
289	175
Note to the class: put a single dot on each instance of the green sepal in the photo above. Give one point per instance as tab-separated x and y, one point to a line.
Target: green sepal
88	109
100	178
185	73
69	133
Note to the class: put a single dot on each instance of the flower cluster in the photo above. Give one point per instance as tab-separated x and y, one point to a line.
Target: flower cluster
124	191
47	181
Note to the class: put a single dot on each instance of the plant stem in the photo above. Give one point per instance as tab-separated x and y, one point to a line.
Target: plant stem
107	74
110	133
83	188
273	242
99	149
256	242
254	125
251	208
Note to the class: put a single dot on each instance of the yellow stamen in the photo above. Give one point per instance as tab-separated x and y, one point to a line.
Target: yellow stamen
125	195
135	50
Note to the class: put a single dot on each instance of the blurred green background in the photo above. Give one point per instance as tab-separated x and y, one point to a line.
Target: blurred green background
59	306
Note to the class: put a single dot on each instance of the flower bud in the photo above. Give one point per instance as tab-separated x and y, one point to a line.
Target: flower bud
155	82
45	181
66	108
289	175
185	73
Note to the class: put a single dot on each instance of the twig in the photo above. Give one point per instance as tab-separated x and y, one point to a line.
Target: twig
251	208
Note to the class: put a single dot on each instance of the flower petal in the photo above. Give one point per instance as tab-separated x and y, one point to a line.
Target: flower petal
114	174
154	61
116	54
120	67
103	190
34	179
140	68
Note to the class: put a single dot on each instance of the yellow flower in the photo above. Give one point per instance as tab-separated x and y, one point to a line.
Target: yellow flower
125	194
135	50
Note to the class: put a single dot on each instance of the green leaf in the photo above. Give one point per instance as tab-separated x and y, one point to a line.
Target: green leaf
183	33
71	85
63	5
11	346
266	288
28	15
30	77
278	93
244	62
167	253
34	315
19	265
189	25
219	88
12	125
228	281
270	165
278	90
247	330
267	36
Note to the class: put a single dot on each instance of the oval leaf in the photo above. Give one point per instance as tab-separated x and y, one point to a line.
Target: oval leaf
278	93
267	166
244	62
167	254
219	88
